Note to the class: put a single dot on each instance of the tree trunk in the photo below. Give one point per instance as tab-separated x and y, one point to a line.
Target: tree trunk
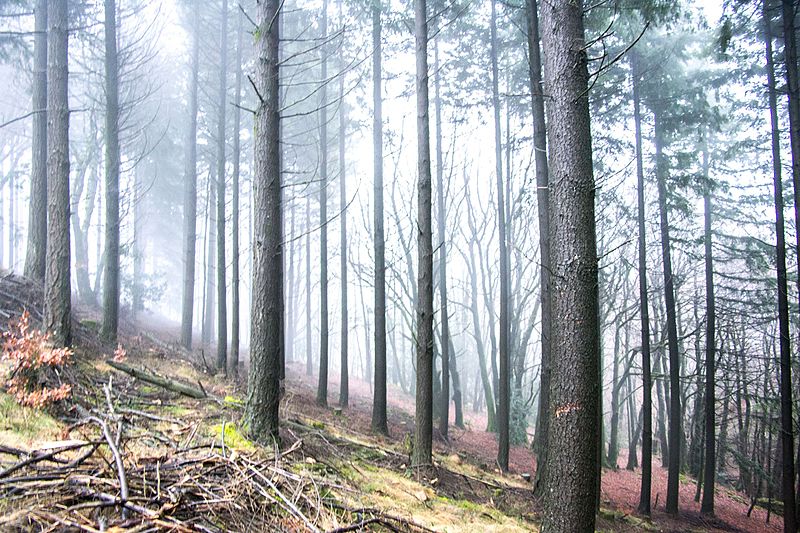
233	356
476	327
190	194
222	300
344	380
210	241
379	422
137	303
571	479
707	505
644	309
543	209
424	407
111	272
444	408
57	278
37	209
787	425
309	353
503	403
674	436
322	387
261	414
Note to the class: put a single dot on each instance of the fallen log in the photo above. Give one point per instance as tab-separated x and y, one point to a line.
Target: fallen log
159	381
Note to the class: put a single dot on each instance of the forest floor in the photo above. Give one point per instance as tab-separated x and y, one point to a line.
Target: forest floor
186	467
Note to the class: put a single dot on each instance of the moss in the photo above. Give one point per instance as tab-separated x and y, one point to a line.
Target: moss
232	401
316	424
233	438
19	423
176	410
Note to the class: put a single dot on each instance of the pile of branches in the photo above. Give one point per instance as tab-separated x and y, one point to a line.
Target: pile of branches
99	481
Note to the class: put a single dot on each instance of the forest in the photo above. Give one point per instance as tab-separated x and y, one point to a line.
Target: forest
424	265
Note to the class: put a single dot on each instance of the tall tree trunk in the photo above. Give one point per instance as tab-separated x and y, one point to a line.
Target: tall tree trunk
344	380
190	194
222	300
503	403
444	408
787	424
233	356
644	308
423	433
675	430
261	412
379	422
616	385
138	238
111	272
57	278
309	353
37	208
543	209
12	226
571	478
211	256
707	505
322	387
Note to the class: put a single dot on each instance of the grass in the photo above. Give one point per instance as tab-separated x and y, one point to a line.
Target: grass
24	424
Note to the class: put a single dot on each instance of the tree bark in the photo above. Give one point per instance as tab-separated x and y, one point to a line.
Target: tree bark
423	433
190	194
379	421
57	272
261	413
37	209
571	479
112	155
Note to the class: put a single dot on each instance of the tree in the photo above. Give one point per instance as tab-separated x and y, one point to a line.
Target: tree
233	356
423	427
711	320
644	308
57	272
571	484
190	192
503	402
261	412
344	380
112	155
787	422
222	310
37	209
674	431
322	387
543	208
379	422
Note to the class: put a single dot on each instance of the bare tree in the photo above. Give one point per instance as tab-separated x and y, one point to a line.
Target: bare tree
222	309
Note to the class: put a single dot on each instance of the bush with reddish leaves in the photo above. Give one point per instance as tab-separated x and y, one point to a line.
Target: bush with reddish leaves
34	379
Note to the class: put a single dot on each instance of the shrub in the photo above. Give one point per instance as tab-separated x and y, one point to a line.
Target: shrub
34	379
